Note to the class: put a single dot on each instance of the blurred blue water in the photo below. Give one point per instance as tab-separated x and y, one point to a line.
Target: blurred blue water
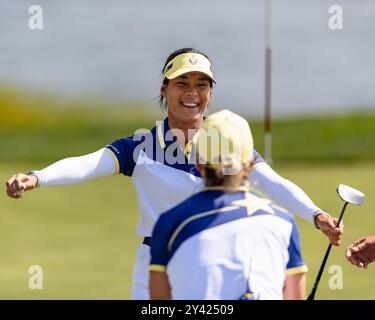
114	50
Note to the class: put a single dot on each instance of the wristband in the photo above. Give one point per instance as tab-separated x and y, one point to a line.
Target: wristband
38	177
317	213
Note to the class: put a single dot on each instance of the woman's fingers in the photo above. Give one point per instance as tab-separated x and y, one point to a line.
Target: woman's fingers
16	185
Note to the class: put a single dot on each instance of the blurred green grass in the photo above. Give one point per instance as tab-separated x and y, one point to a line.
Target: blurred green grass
83	236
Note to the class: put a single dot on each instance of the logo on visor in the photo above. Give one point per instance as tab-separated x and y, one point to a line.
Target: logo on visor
193	59
168	68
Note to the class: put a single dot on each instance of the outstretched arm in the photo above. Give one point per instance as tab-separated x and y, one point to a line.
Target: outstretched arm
291	197
64	172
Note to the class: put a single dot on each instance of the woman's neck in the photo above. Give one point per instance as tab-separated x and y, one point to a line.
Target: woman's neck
185	126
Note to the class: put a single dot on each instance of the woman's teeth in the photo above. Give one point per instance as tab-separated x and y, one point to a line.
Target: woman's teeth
190	105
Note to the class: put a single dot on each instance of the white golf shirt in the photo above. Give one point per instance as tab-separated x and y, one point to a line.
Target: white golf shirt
218	245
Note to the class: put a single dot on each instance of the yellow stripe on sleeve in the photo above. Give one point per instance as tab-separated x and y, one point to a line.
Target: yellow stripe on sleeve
157	267
197	216
296	270
117	165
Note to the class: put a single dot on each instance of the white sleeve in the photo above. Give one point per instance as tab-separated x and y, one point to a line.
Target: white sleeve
77	169
283	192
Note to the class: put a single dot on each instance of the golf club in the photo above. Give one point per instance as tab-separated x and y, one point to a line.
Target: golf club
349	195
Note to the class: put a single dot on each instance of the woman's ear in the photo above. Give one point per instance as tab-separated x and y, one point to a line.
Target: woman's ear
162	90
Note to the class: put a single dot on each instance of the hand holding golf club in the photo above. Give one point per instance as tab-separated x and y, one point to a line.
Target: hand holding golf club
19	183
361	252
328	225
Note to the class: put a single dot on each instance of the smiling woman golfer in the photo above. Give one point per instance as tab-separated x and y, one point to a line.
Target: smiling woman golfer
159	165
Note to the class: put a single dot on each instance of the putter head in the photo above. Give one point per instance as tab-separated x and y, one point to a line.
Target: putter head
351	195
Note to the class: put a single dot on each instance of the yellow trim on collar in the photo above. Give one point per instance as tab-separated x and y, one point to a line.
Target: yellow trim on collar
187	150
160	132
